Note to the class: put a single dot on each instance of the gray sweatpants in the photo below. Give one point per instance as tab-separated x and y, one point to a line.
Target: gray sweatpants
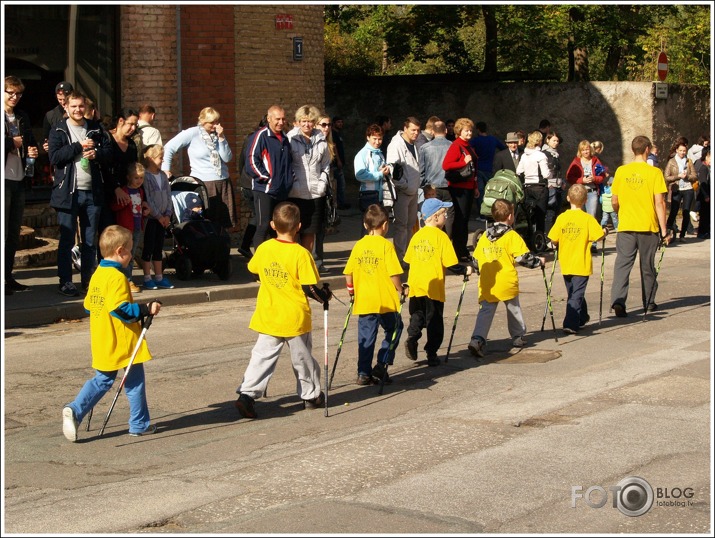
628	244
485	316
263	363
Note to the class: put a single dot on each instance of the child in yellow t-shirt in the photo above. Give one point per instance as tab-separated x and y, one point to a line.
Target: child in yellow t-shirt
288	275
114	325
573	232
497	252
430	251
372	275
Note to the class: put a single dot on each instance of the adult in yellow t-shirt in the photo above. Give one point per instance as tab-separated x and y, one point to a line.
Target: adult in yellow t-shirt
573	232
639	199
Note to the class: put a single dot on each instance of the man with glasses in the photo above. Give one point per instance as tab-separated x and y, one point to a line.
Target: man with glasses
58	113
19	145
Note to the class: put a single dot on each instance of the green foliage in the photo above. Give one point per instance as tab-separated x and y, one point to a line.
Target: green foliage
621	42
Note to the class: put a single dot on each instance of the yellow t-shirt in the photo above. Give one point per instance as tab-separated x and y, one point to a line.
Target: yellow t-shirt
575	230
498	279
113	340
428	253
635	184
282	309
372	262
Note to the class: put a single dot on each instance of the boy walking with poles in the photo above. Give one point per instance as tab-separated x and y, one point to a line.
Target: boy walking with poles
430	251
497	252
114	325
288	276
573	232
372	276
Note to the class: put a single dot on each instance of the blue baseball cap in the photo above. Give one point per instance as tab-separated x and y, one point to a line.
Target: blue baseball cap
431	205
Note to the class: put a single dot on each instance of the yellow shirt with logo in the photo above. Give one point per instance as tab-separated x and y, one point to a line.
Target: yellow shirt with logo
113	340
574	231
372	262
282	308
635	184
498	279
429	252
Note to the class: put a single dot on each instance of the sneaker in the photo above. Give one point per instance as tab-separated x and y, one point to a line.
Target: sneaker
150	285
246	253
588	318
569	330
164	284
322	270
151	429
134	288
14	285
364	380
411	349
694	217
433	359
315	403
69	424
476	348
68	289
653	307
620	310
244	404
378	371
519	341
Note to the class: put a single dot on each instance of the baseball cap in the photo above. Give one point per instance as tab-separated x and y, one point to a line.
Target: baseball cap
64	86
431	205
511	137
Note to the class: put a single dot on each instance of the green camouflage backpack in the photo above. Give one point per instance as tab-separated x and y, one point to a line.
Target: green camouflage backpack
504	184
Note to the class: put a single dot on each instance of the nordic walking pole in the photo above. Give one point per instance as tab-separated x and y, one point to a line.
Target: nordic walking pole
603	260
663	244
456	316
551	283
326	306
398	319
89	418
340	344
548	302
145	328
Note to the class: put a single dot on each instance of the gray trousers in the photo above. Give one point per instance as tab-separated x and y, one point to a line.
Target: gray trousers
485	316
263	363
405	219
628	244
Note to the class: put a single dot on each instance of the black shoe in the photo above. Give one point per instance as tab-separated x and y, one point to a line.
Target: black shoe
653	307
411	349
569	330
246	253
433	359
364	380
14	285
584	322
244	404
378	371
620	310
315	403
322	270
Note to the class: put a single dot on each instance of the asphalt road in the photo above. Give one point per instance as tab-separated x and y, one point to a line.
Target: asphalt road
468	447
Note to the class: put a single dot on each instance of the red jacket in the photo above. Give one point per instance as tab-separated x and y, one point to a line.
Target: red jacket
125	214
454	160
575	172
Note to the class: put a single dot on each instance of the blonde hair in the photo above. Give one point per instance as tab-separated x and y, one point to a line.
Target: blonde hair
113	237
577	194
208	114
596	147
582	146
308	112
135	168
329	139
501	209
152	152
461	124
535	138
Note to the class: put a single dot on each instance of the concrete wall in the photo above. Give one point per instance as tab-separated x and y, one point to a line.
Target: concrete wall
612	112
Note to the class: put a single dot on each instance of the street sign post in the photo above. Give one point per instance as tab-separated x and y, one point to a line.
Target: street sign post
662	66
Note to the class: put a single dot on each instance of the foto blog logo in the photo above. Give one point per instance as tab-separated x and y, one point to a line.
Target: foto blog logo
632	496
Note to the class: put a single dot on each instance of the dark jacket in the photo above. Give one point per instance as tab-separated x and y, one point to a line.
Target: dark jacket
28	139
62	153
52	118
503	160
269	162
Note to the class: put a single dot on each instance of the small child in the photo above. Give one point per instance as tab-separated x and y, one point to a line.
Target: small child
426	192
497	252
372	276
607	206
429	252
572	232
158	196
113	318
131	215
283	316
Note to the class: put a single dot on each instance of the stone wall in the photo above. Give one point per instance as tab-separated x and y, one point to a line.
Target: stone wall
612	112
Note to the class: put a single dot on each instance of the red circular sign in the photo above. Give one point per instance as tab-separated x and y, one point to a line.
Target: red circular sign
662	66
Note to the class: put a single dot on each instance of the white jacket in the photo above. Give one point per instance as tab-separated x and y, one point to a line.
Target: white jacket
397	152
531	163
311	165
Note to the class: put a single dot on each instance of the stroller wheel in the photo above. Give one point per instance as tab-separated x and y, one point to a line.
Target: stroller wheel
223	269
183	268
475	238
540	242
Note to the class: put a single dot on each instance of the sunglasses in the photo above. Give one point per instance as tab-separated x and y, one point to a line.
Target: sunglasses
325	124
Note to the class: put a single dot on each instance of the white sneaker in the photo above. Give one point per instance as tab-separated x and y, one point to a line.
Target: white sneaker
694	217
476	348
69	424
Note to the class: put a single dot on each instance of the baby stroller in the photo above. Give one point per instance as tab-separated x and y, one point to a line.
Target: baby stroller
199	244
507	185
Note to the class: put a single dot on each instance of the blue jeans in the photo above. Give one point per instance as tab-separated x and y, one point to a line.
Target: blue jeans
136	237
368	325
614	219
88	213
591	206
14	208
134	387
576	308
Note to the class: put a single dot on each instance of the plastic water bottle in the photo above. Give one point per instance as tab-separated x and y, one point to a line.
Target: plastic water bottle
30	167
